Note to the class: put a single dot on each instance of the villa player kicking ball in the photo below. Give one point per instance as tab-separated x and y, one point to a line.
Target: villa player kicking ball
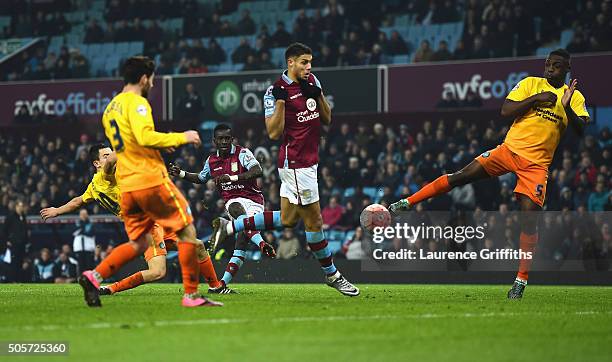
295	107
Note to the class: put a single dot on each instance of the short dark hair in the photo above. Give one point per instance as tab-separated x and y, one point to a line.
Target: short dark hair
135	67
297	49
562	53
94	151
221	127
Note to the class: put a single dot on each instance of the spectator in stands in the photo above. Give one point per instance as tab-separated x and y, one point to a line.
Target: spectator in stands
226	29
243	50
281	38
396	44
246	25
288	245
265	62
17	233
65	269
80	68
352	248
424	53
84	243
44	267
251	63
344	58
326	59
190	105
442	53
216	55
196	67
599	197
332	214
94	33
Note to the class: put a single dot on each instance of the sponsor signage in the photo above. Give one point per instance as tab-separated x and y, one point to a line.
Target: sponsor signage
86	98
422	87
241	94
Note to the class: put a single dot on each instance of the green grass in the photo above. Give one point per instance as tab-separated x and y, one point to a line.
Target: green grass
313	322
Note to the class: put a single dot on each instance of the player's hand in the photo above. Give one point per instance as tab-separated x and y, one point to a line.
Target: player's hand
401	205
280	93
193	137
567	96
49	213
173	169
546	97
223	179
309	90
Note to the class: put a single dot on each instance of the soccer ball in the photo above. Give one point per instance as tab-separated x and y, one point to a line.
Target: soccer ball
373	216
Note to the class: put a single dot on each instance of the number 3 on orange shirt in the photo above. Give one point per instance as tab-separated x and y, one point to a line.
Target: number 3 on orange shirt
117	140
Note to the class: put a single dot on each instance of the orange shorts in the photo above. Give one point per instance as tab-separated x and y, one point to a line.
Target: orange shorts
163	204
531	177
162	242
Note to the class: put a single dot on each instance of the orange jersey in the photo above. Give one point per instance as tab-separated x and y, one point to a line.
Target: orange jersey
128	124
536	135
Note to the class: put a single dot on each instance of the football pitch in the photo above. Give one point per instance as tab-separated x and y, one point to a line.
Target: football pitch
313	322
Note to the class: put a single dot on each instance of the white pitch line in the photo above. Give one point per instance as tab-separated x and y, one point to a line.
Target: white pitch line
168	323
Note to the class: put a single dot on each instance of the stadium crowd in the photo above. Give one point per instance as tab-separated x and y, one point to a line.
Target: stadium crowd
388	161
341	32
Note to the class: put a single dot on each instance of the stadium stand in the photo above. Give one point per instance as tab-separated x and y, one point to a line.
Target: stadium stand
391	161
90	38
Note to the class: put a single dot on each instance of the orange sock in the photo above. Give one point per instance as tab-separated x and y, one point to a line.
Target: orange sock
130	282
115	260
208	271
436	187
189	266
528	244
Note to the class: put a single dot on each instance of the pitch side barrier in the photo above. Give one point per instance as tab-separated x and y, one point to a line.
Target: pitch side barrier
383	89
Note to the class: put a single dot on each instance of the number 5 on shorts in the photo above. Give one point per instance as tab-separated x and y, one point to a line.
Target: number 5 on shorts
538	190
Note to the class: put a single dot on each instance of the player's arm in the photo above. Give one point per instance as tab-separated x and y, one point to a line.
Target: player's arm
72	205
520	100
143	128
576	121
175	170
248	161
111	164
274	108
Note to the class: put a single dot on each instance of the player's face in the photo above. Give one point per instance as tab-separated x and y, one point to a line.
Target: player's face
300	66
104	153
147	84
555	68
223	141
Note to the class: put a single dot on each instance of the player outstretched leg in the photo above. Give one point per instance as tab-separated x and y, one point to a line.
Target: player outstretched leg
222	228
443	184
90	279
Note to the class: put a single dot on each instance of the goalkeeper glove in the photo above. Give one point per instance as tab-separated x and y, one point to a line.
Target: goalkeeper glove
309	90
401	205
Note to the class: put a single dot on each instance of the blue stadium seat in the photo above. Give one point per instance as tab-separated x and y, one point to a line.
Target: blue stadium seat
566	37
401	59
334	246
107	48
277	56
97	66
94	49
136	47
349	235
349	192
122	48
370	192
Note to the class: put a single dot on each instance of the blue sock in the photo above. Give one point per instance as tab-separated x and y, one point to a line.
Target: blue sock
320	249
233	266
267	220
255	237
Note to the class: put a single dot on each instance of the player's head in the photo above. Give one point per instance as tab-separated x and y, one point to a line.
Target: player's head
299	60
98	154
139	70
557	66
222	138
